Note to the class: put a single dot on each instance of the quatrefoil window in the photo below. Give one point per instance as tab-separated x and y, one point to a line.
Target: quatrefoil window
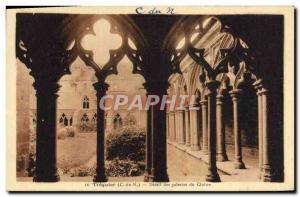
102	42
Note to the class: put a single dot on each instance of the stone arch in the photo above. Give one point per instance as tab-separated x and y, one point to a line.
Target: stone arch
132	46
64	52
117	122
133	43
225	54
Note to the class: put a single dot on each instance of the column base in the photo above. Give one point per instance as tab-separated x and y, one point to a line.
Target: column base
239	165
266	174
213	177
187	144
260	174
205	149
182	143
222	157
205	152
161	176
195	147
267	178
146	176
100	177
52	178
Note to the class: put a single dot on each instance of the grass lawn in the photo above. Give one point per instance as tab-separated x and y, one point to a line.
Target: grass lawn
76	151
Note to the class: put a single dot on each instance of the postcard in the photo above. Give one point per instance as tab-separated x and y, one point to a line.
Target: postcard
150	98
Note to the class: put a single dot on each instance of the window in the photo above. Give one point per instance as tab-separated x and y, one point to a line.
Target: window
85	118
94	119
86	103
71	121
63	120
117	122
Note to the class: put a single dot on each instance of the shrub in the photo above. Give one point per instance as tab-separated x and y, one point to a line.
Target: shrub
82	171
85	127
61	133
64	166
128	144
70	131
66	132
123	168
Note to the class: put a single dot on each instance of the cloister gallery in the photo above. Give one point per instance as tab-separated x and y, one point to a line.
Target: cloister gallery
226	61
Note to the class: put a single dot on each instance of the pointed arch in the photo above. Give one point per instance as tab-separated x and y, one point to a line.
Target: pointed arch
86	102
117	121
63	120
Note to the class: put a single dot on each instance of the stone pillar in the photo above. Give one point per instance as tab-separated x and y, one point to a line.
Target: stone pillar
267	175
204	122
176	126
195	145
260	135
239	164
46	94
212	175
101	88
172	125
181	126
148	166
159	145
167	125
260	132
187	127
221	146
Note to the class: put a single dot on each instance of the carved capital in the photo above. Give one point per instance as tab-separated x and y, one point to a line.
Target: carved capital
101	88
171	112
260	88
212	86
156	88
46	88
235	94
219	99
180	110
262	91
47	61
203	103
187	108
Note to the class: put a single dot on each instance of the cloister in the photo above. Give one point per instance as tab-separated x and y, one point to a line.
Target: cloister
232	63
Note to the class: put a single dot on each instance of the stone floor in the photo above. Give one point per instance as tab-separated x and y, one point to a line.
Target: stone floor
226	169
187	165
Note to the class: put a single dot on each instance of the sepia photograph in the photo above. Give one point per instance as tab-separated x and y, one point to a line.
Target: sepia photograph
150	98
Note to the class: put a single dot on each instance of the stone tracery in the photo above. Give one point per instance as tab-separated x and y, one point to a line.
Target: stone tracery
227	69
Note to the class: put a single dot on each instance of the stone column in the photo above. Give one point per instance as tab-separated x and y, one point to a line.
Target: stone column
260	132
239	164
180	124
101	88
221	147
148	167
267	175
187	127
159	145
46	95
167	125
204	121
195	145
212	175
260	135
172	125
176	126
